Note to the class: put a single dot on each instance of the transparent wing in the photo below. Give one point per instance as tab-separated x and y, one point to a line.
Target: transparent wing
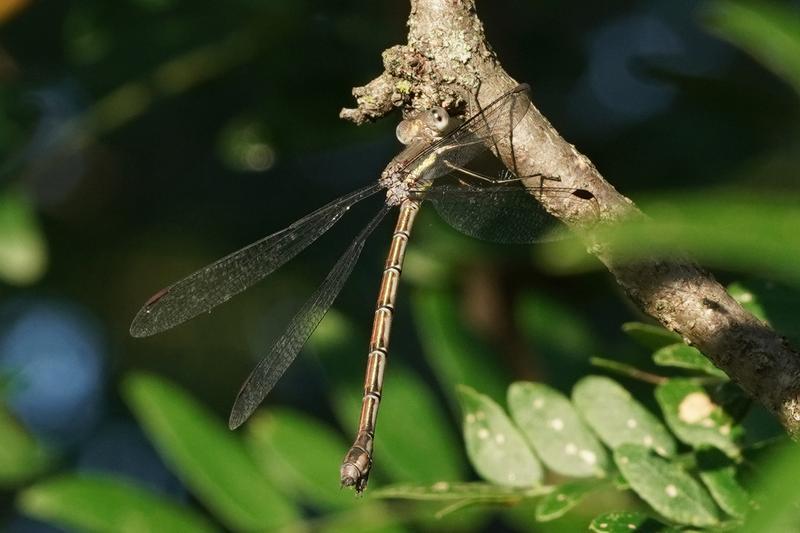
270	369
500	213
218	282
490	126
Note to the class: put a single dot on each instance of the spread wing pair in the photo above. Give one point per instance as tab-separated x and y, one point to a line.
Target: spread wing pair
494	209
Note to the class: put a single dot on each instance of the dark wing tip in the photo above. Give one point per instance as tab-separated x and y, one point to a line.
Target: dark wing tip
239	415
143	324
140	326
147	323
244	405
234	423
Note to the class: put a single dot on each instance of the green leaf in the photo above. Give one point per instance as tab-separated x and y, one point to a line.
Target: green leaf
209	459
681	355
650	336
431	452
279	441
627	522
496	448
618	418
748	300
21	457
695	418
718	474
451	350
776	491
23	250
102	503
562	499
736	231
551	424
665	486
769	31
445	491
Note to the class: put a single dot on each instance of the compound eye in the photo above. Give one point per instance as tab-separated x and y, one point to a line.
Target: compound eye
407	131
438	119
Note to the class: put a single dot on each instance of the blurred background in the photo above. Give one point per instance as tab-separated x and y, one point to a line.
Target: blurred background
142	139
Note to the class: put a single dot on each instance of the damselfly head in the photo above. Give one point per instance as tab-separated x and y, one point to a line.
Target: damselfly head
429	124
437	119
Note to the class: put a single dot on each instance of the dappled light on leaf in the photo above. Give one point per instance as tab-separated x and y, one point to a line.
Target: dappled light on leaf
495	446
618	418
666	486
550	423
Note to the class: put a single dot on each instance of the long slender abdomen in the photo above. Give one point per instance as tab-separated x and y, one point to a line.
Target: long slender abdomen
357	462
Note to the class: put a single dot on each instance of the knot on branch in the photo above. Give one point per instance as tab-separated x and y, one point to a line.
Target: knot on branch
410	80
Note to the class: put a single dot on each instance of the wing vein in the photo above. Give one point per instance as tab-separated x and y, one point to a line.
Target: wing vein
270	369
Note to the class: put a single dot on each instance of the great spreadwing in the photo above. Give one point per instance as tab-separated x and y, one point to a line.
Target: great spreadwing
431	169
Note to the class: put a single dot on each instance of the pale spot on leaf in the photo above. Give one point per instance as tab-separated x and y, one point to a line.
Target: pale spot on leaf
557	424
671	490
500	438
483	433
647	440
695	407
570	449
588	457
538	403
631	423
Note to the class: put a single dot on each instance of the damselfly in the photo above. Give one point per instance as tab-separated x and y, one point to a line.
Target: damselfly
432	168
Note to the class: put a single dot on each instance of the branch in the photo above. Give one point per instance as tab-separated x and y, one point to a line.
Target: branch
444	63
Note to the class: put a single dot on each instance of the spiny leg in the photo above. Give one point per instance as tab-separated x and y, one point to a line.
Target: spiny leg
507	176
358	460
503	180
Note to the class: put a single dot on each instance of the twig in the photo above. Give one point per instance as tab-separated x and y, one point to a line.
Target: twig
444	62
628	370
